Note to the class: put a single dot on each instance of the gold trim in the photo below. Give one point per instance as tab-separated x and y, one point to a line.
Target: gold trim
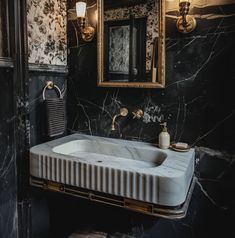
123	112
53	186
88	33
191	24
130	204
49	84
138	206
160	81
137	114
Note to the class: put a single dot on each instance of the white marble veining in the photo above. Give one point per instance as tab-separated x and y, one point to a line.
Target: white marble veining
112	155
131	169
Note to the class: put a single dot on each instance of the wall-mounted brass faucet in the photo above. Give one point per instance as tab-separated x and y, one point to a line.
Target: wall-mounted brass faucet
138	114
123	113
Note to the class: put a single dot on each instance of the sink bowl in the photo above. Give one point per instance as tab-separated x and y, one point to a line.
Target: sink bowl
112	154
130	169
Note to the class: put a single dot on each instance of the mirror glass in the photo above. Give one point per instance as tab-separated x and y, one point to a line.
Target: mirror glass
131	43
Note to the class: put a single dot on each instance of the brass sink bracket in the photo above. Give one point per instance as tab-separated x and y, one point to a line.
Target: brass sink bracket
178	212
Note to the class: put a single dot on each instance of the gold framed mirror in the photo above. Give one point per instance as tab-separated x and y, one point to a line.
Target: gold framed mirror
131	43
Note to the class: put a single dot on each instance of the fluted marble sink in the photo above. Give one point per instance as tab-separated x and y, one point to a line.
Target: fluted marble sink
130	169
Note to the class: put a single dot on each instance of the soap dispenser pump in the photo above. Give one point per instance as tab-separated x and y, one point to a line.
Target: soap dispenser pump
164	137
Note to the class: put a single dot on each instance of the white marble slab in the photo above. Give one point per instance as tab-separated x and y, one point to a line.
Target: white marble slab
131	169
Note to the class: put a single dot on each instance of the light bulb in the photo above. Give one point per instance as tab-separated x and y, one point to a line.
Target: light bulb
81	9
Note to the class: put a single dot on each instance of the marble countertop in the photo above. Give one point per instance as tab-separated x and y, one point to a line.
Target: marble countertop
132	169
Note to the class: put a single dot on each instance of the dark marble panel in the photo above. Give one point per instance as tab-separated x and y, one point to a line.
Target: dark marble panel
198	102
8	182
37	109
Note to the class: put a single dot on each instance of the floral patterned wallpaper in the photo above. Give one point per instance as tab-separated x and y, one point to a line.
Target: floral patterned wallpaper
148	9
47	27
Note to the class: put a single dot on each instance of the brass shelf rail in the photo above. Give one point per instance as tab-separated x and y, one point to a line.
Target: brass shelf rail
130	204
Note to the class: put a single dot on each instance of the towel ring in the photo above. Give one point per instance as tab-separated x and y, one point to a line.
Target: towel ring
51	85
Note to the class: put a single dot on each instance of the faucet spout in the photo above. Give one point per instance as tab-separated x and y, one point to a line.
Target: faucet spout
123	113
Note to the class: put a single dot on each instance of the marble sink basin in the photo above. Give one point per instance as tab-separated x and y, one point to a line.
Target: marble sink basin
130	169
112	154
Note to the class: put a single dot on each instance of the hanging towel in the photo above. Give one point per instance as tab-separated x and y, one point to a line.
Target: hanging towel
55	112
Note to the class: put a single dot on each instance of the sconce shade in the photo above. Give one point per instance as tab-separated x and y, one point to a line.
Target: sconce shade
81	9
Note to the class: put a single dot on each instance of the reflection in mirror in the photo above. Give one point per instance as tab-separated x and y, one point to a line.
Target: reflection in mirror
124	50
131	43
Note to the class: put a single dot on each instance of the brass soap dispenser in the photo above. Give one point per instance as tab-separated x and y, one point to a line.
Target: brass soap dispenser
164	137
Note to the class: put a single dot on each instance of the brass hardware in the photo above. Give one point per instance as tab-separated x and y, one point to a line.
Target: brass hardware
81	22
191	24
159	80
185	23
134	205
49	84
123	113
138	206
57	187
138	114
88	33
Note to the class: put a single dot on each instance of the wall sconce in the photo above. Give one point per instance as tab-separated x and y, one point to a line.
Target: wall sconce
87	32
185	22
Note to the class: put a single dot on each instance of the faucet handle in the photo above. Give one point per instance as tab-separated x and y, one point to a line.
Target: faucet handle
138	114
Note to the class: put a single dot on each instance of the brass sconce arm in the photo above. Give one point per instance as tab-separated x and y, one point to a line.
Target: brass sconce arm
184	9
185	23
81	22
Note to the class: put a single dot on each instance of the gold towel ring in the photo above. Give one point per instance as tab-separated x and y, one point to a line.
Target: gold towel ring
50	85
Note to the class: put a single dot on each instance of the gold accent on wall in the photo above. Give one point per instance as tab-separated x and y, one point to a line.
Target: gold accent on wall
191	24
138	206
159	81
53	186
123	112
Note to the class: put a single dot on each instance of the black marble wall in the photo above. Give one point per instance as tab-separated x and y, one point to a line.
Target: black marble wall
8	181
198	102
